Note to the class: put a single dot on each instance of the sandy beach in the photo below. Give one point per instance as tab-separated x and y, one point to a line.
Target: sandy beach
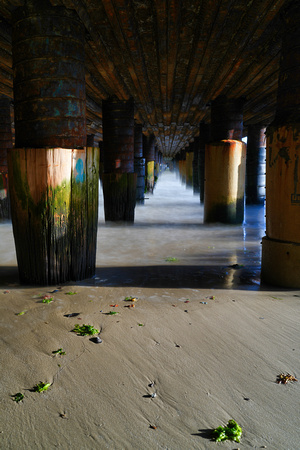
203	335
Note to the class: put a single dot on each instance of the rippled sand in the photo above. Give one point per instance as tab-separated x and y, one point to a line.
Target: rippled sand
203	330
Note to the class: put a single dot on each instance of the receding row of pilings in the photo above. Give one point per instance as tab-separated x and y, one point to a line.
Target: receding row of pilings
226	164
53	169
130	161
53	173
216	166
281	245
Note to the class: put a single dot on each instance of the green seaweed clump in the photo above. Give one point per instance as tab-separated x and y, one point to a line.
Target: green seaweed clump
85	330
18	397
232	432
41	387
47	299
59	352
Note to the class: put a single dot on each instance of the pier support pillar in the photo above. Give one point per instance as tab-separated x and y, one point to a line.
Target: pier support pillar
5	144
101	164
139	164
156	166
182	165
189	156
53	177
119	179
225	164
256	165
149	154
204	131
196	186
281	245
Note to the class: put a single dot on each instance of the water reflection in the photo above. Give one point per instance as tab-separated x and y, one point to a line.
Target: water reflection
170	224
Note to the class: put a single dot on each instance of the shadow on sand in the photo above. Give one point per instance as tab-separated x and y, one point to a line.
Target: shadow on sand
174	276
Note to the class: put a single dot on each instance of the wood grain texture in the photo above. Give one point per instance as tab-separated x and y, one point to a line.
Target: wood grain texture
54	198
119	192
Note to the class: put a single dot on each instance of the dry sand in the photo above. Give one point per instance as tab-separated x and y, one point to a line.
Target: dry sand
210	359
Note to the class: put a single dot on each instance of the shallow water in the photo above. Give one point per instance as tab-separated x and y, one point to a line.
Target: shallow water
168	225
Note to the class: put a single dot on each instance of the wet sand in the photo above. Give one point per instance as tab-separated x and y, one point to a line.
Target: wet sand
203	330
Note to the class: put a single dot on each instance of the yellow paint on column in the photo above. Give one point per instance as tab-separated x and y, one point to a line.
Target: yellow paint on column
283	184
280	264
40	198
51	216
225	164
150	176
281	245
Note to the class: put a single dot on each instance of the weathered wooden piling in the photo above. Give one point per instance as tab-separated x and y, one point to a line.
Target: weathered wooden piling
92	186
156	166
91	198
119	179
225	182
55	214
90	140
256	165
225	163
281	245
54	178
139	163
182	165
49	78
189	156
196	185
101	164
5	144
227	119
204	134
149	154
